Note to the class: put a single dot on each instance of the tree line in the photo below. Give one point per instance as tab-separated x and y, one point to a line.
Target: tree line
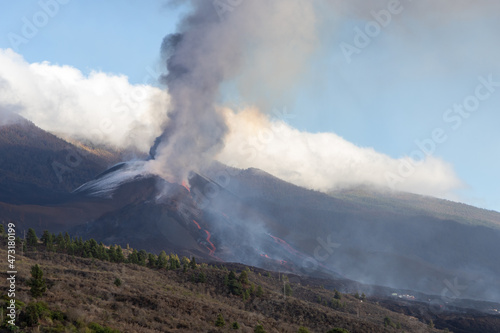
76	246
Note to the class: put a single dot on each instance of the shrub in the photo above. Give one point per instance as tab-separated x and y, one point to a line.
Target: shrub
259	292
244	278
288	289
118	282
37	282
303	330
235	326
96	328
219	322
259	329
388	322
338	330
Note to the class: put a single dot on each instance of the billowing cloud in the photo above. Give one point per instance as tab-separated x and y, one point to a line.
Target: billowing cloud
325	161
100	107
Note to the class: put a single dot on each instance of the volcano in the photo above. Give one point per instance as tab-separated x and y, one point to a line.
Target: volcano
376	237
249	216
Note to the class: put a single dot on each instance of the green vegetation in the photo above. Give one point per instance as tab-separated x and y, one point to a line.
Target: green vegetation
338	330
259	329
389	323
234	285
219	322
82	297
31	239
37	282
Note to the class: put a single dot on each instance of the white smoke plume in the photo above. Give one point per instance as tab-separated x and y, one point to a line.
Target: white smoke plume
247	45
102	108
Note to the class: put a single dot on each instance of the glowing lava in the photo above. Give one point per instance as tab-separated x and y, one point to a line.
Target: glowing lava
197	224
286	246
185	185
209	242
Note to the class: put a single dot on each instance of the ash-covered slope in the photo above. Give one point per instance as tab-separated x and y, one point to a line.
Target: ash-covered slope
433	246
38	167
252	217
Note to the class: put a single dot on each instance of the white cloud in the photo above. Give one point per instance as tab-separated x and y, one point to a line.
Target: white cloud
324	161
100	107
107	109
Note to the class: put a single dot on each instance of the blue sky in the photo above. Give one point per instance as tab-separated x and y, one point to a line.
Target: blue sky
393	92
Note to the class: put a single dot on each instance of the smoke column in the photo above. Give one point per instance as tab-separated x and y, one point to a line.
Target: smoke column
198	59
215	44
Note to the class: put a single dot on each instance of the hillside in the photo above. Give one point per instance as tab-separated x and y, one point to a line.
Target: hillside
83	292
38	167
395	239
413	204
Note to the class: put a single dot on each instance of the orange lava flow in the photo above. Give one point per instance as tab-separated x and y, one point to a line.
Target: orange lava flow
185	185
286	245
209	242
197	224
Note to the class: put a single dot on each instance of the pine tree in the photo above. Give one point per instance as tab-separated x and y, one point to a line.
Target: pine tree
260	292
37	282
162	260
111	253
151	260
185	261
45	237
133	257
192	264
59	240
288	289
67	238
244	278
337	295
142	256
234	285
31	238
120	257
174	261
